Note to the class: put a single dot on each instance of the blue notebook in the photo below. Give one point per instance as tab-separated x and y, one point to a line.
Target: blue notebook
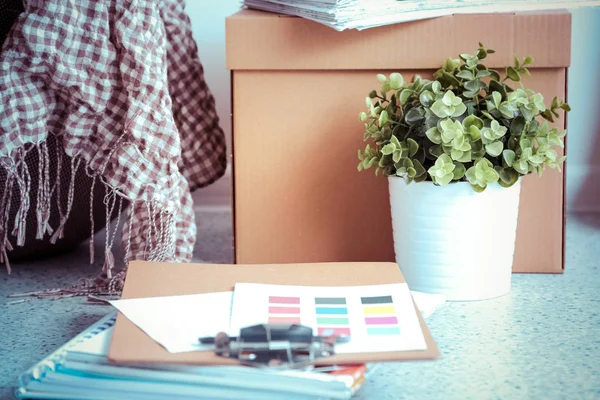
80	370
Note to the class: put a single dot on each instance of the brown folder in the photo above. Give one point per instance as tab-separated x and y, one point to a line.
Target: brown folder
148	279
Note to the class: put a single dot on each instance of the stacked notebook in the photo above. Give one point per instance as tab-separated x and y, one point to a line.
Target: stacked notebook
363	14
80	370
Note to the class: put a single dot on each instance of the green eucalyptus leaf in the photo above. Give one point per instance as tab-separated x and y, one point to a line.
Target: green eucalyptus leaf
527	113
451	79
507	110
471	85
385	88
494	149
419	169
533	126
472	120
383	118
496	98
496	86
420	178
436	150
539	169
388	149
439	109
458	141
459	171
396	81
405	95
466	156
565	107
434	135
521	167
427	98
536	159
474	133
562	134
459	110
517	125
525	144
456	154
554	140
547	115
494	75
420	155
503	174
414	115
466	74
483	74
528	60
446	179
487	114
513	178
417	80
413	146
543	129
471	107
509	157
436	87
394	140
513	74
383	161
472	61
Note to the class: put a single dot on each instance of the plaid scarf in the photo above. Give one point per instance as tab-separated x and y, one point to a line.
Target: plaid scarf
120	87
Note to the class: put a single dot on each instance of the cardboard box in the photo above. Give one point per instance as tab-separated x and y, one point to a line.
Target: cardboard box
297	89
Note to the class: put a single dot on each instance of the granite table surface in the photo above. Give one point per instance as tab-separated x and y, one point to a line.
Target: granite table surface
541	341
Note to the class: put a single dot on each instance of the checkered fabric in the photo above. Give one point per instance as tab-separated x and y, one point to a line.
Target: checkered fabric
121	87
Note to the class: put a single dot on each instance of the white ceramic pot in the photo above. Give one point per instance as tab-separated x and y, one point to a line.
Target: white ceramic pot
451	240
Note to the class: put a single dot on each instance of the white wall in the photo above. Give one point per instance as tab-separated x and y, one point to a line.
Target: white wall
583	162
583	137
208	25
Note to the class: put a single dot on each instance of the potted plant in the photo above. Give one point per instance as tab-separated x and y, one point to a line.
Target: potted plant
454	150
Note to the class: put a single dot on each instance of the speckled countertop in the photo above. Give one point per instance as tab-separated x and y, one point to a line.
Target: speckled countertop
541	341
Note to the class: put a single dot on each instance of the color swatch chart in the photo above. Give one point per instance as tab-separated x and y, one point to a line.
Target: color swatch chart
284	310
375	317
380	315
332	316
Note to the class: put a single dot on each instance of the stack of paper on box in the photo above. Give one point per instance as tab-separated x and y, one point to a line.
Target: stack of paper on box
363	14
151	350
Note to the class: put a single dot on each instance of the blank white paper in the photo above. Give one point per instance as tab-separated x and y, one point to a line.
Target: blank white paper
177	322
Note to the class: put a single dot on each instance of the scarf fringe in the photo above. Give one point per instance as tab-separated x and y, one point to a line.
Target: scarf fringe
160	244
